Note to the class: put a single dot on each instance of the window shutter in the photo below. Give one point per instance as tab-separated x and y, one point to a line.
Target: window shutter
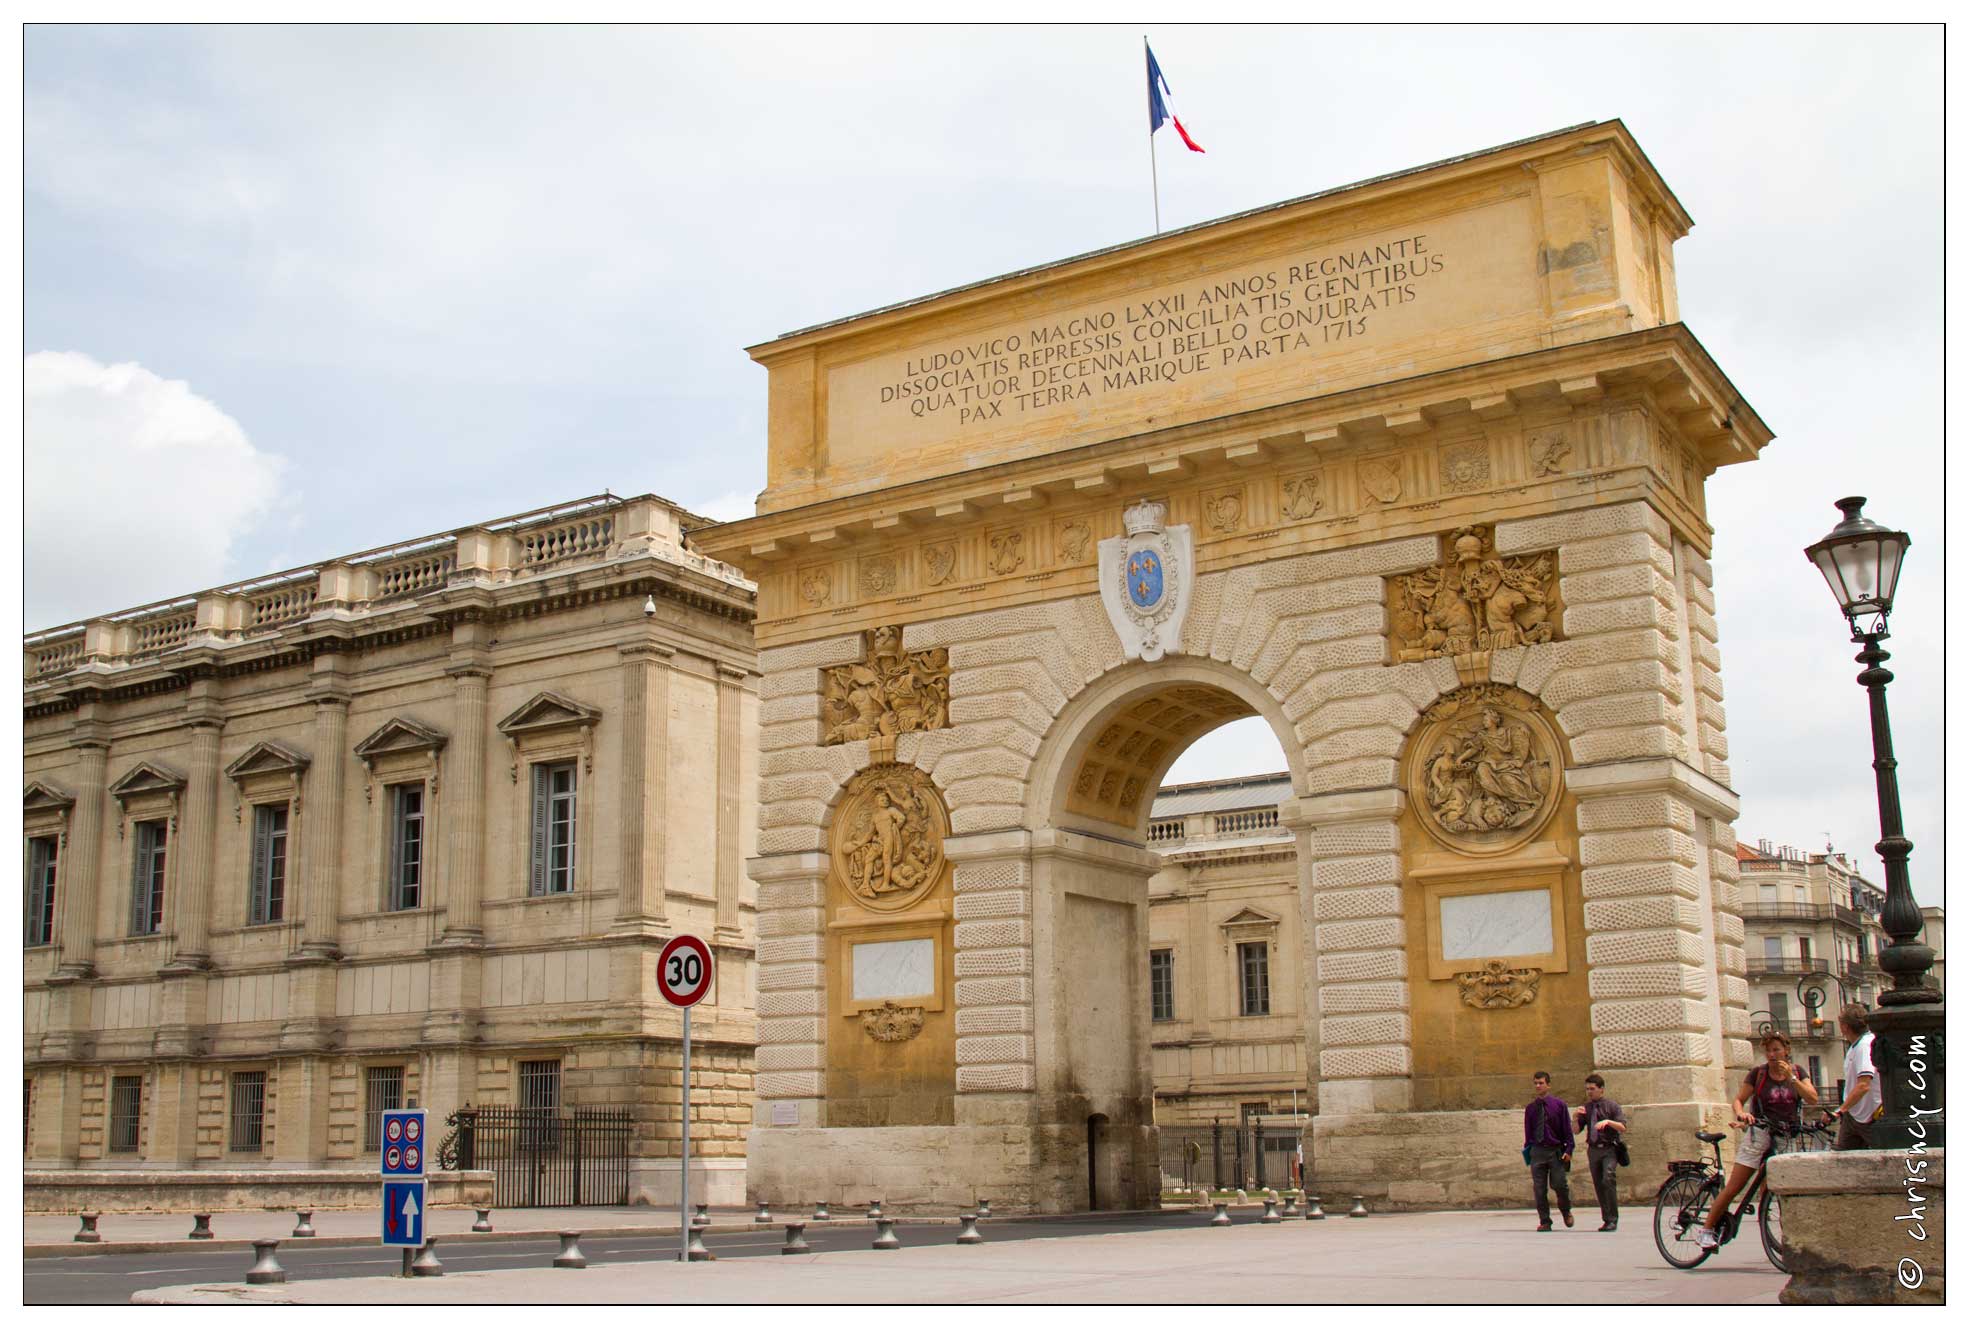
140	885
393	888
262	865
541	785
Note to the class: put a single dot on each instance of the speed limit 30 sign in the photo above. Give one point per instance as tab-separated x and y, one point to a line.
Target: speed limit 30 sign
683	971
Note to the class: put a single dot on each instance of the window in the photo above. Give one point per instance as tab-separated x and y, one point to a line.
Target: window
1774	949
406	845
1813	1062
249	1110
27	1113
147	879
1162	985
269	863
553	829
1805	949
1781	1011
126	1108
42	855
540	1085
382	1091
1254	978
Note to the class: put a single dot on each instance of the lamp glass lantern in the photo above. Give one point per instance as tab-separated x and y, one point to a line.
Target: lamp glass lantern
1861	562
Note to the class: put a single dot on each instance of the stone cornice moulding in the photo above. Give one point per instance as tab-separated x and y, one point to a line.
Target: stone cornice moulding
1709	797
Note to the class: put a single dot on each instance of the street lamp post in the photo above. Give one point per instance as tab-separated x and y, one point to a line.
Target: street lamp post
1861	562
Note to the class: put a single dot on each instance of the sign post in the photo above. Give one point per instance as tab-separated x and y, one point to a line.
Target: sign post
683	972
402	1166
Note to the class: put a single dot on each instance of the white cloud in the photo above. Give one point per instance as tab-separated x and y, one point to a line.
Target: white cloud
137	488
732	505
1240	748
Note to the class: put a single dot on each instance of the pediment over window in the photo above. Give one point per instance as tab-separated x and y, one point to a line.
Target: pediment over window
269	758
1249	919
548	710
397	735
147	778
41	796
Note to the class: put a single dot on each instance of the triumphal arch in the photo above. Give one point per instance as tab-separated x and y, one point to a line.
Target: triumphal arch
1414	470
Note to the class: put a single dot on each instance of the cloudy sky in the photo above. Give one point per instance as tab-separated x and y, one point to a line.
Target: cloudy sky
294	292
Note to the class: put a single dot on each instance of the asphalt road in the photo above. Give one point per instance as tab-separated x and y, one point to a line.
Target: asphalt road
58	1280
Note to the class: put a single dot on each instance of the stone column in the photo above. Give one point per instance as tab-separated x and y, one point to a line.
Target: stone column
644	791
465	804
323	823
76	940
731	757
192	908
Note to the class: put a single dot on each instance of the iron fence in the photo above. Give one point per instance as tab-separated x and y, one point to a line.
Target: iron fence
546	1157
1249	1155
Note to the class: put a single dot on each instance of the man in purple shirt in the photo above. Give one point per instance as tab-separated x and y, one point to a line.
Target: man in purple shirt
1548	1149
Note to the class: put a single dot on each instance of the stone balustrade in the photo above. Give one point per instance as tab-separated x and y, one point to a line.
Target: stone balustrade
552	540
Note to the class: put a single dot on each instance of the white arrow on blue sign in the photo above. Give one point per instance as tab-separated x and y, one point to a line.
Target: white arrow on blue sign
403	1213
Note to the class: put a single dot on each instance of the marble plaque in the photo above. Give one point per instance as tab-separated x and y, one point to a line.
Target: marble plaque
884	969
1504	923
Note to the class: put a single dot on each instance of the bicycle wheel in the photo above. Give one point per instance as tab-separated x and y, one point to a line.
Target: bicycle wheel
1679	1207
1770	1225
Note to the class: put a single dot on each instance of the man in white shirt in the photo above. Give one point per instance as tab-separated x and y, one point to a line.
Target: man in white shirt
1862	1103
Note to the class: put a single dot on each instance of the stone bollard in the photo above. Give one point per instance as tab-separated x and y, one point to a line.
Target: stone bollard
967	1230
201	1227
483	1223
885	1235
1313	1209
88	1231
696	1249
874	1208
265	1268
303	1223
426	1264
570	1256
820	1213
984	1208
764	1215
1291	1209
796	1240
702	1218
1271	1211
1242	1198
1360	1207
1222	1218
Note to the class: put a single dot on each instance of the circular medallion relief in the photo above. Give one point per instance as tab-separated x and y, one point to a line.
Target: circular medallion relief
887	842
1485	770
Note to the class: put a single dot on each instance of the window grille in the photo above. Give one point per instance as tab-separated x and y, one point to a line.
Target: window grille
540	1085
249	1110
269	894
406	845
553	829
126	1106
43	853
147	879
1254	978
1162	985
382	1092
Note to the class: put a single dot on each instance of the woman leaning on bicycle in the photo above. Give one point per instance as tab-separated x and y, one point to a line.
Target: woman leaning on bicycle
1767	1105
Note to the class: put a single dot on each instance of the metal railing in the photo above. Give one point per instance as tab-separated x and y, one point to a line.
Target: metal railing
545	1157
1785	909
1247	1154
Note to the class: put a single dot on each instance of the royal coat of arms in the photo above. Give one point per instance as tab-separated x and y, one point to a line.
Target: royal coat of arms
1145	581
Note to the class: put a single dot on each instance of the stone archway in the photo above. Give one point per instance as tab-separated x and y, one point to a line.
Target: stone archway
1330	462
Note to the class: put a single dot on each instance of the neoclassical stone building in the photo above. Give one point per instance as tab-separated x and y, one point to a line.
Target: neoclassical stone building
1412	469
404	826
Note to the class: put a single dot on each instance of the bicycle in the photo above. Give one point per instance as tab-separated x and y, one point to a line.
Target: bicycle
1693	1185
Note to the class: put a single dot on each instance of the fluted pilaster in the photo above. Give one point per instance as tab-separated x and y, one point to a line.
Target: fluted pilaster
465	802
76	940
197	825
731	697
322	825
645	786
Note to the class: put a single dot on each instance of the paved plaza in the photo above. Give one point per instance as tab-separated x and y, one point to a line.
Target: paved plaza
1486	1257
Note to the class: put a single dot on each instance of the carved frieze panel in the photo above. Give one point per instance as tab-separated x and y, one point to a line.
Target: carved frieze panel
891	691
1224	511
1547	450
878	575
1302	496
940	561
1465	467
1498	987
1381	479
1008	553
1473	600
1485	769
1076	539
888	837
890	1023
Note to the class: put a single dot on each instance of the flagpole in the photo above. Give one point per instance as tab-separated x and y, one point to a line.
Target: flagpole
1155	186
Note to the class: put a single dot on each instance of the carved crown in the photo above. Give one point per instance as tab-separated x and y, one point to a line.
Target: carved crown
1148	515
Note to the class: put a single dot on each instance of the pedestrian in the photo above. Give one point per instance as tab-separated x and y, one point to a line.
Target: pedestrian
1862	1103
1548	1150
1604	1125
1777	1089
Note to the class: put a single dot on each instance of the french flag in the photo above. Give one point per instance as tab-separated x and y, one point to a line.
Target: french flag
1159	108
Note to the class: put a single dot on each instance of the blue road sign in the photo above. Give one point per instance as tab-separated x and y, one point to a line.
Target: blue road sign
403	1213
404	1145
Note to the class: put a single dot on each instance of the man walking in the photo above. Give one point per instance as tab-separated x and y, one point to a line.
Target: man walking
1548	1150
1604	1124
1862	1103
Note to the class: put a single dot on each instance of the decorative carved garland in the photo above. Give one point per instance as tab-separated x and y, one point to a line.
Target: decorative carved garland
890	1023
1498	988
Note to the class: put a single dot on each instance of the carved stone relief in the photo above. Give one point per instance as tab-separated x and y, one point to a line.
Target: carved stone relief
1465	467
1381	479
1076	538
1008	553
1303	498
1225	511
1473	600
1548	450
1496	987
890	1023
817	585
878	574
1484	769
892	691
887	843
941	561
